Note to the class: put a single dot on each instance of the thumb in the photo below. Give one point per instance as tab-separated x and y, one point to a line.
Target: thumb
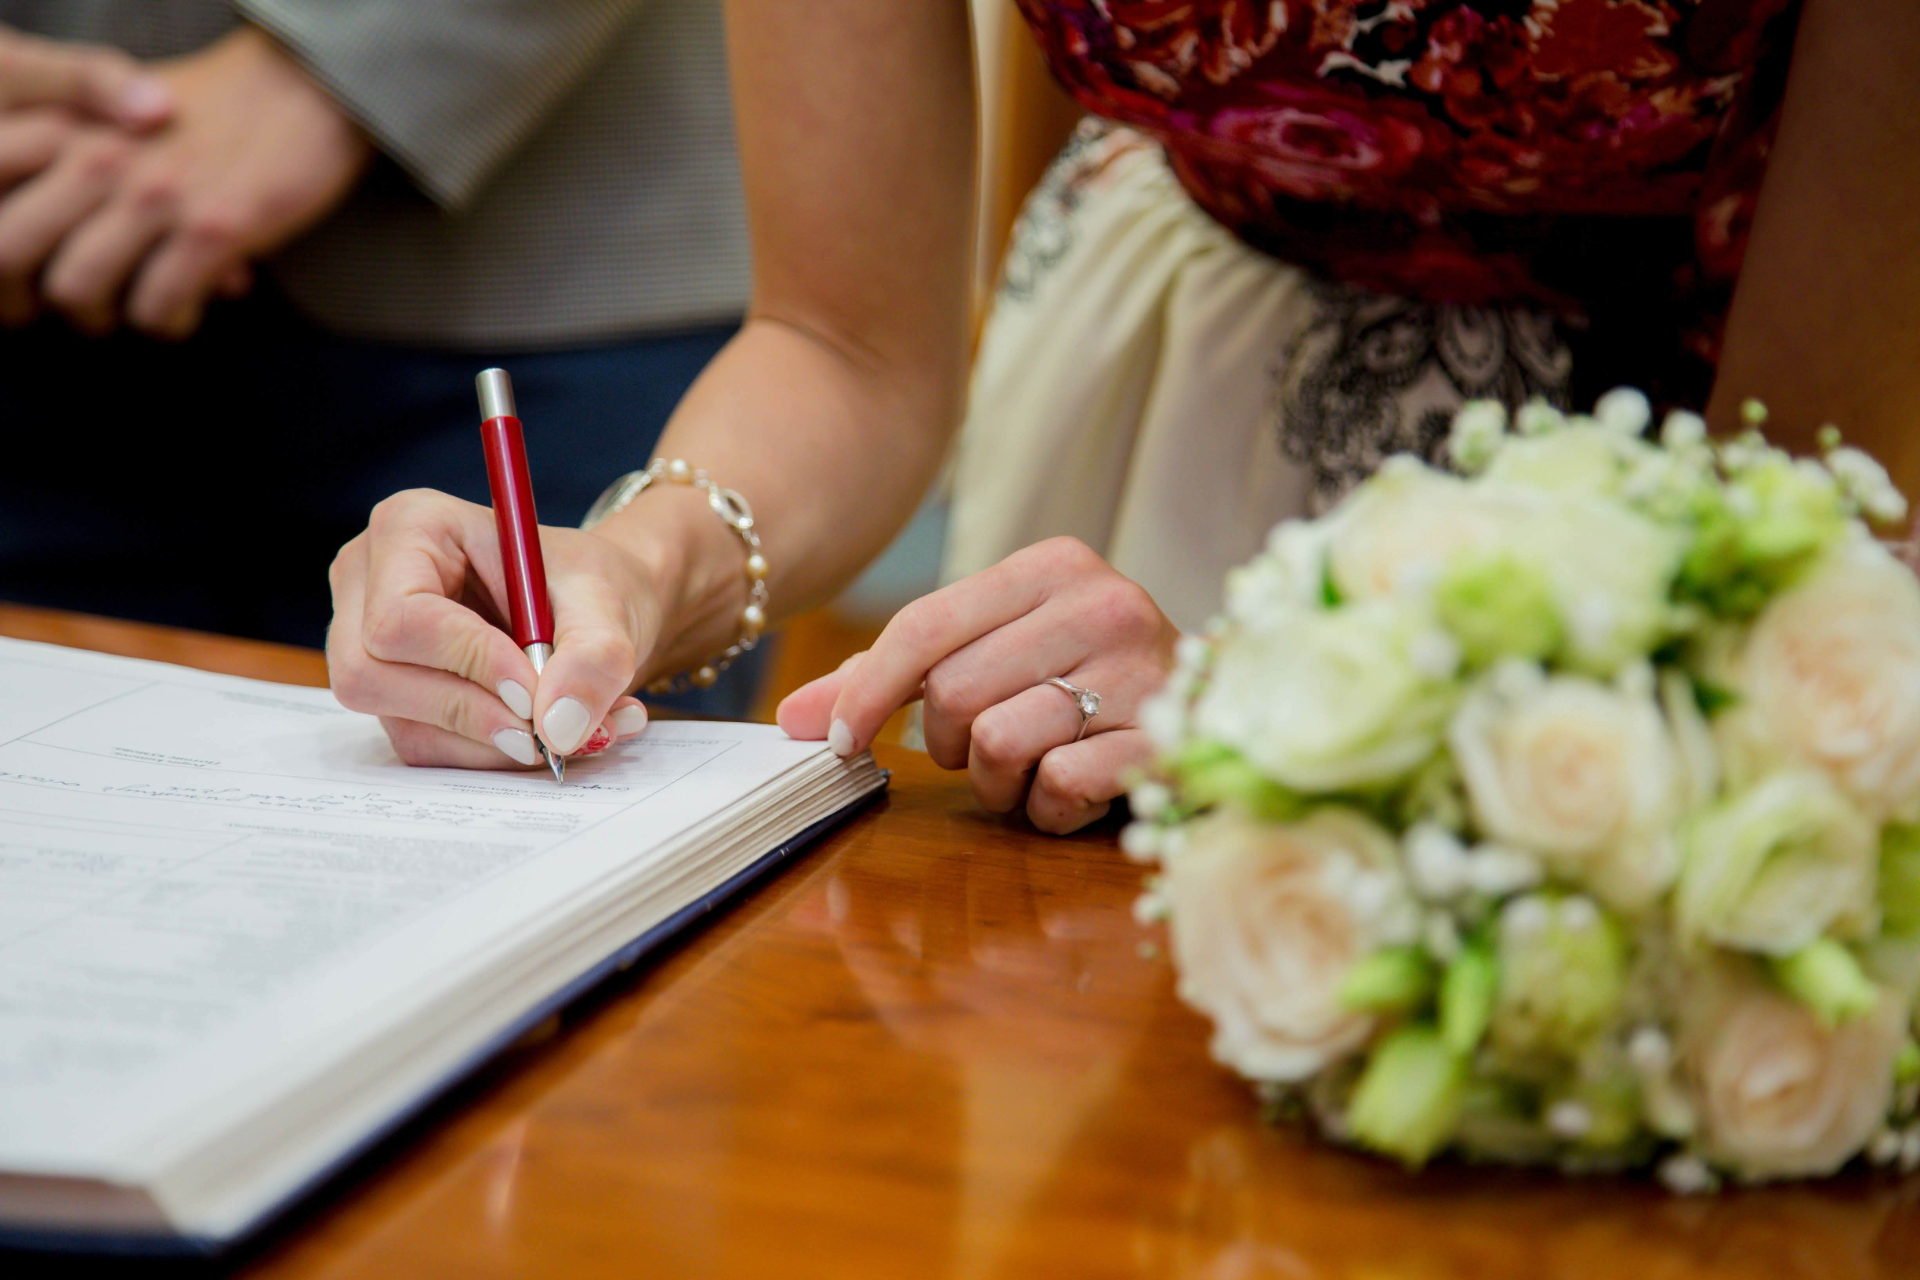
103	83
807	712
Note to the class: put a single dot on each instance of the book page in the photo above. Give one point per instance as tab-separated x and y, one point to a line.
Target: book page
201	875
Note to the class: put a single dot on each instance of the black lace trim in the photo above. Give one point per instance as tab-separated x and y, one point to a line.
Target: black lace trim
1375	375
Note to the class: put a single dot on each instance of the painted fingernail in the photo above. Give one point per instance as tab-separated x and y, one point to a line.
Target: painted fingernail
628	721
146	98
518	700
566	724
840	738
602	739
517	746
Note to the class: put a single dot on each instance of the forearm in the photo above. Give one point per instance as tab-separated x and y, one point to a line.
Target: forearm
1826	322
831	411
833	457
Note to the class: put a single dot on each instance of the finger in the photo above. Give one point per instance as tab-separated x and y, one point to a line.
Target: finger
31	141
994	668
805	714
1077	784
1009	740
425	746
421	547
36	216
627	719
170	296
929	629
102	82
598	642
89	272
236	281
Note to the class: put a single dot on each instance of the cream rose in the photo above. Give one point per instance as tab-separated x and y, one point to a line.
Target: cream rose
1829	677
1578	772
1607	568
1266	923
1778	1094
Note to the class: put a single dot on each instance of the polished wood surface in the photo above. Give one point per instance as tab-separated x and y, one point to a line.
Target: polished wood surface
940	1046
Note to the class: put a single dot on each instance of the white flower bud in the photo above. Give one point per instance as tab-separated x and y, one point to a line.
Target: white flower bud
1149	799
1141	841
1884	1147
1526	917
1687	1175
1498	871
1436	862
1537	417
1650	1051
1683	430
1150	908
1578	914
1569	1119
1625	410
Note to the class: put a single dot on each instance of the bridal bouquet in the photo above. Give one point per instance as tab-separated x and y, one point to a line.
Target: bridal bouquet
1565	810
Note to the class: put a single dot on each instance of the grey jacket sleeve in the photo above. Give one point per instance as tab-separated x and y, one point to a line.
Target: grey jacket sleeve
446	88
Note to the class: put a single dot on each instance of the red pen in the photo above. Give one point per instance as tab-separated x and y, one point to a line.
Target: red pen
512	484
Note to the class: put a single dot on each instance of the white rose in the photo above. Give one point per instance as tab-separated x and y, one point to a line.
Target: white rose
1779	1095
1398	532
1608	568
1332	700
1267	921
1829	677
1775	865
1578	772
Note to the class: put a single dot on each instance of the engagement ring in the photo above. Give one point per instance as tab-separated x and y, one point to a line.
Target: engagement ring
1086	701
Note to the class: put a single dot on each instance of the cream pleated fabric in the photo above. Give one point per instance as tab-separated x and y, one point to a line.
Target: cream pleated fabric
1149	384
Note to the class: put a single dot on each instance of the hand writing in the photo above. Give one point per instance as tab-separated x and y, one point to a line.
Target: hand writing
978	651
418	638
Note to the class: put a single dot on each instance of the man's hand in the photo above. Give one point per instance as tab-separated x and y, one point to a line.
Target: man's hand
102	84
150	230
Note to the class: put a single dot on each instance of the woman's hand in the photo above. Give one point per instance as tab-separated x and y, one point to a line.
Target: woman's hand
418	638
978	651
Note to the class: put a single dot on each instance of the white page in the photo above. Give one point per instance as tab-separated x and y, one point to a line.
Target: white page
204	880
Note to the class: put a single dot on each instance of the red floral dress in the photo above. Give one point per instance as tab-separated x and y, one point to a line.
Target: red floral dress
1598	157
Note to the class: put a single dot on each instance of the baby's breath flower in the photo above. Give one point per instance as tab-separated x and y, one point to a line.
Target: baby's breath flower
1537	417
1866	482
1141	841
1479	429
1149	800
1753	413
1625	410
1682	430
1687	1175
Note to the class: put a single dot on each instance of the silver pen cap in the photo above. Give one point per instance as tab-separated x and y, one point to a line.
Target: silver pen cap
496	395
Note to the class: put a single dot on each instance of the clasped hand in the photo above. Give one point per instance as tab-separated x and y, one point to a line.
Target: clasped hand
137	195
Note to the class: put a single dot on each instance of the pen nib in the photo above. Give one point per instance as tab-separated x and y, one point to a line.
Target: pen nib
556	764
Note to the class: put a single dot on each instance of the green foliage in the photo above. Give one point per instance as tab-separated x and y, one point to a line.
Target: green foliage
1395	980
1409	1098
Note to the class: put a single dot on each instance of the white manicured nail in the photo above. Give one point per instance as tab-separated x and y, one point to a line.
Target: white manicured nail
517	746
565	726
628	720
518	700
840	738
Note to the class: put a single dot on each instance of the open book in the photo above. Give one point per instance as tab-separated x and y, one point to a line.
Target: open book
239	941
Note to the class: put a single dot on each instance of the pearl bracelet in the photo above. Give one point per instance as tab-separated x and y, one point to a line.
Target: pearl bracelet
733	509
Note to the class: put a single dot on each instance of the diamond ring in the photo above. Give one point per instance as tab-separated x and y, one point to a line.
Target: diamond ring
1086	701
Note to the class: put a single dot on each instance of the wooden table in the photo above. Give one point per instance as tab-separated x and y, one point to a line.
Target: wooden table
937	1047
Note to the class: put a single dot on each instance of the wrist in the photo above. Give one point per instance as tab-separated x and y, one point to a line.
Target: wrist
696	566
